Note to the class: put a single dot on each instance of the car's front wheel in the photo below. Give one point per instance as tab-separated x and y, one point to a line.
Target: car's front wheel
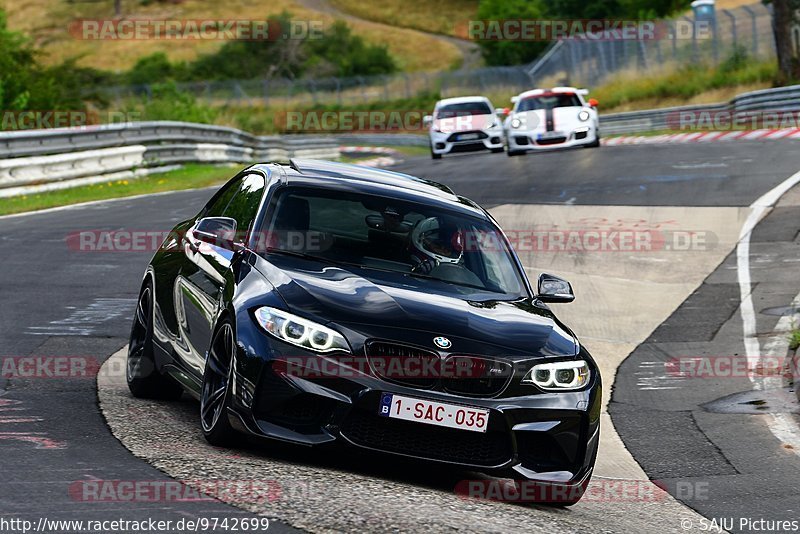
144	380
215	393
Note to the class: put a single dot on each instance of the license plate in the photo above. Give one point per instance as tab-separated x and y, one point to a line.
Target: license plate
467	137
550	135
434	413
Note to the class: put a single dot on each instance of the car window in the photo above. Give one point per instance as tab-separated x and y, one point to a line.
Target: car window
387	235
246	200
216	206
463	109
561	100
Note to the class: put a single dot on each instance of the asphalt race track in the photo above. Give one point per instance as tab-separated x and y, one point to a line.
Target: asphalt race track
62	302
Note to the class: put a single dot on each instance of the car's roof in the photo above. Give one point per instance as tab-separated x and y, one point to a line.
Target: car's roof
376	181
461	100
537	92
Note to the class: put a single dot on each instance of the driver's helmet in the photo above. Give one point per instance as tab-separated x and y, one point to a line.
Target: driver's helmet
434	243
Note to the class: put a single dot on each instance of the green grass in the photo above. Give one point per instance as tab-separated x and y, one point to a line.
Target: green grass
191	176
432	17
683	84
794	339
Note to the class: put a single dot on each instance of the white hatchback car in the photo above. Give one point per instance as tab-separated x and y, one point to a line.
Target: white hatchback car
552	118
464	124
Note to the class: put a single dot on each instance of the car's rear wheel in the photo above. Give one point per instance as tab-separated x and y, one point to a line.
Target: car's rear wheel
215	393
144	380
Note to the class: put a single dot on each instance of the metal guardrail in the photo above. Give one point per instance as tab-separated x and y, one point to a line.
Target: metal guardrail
42	156
781	99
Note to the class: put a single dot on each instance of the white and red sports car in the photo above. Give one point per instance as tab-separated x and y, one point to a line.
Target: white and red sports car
552	118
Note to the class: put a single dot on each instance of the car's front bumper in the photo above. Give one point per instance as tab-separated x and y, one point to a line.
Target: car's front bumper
546	437
446	143
519	140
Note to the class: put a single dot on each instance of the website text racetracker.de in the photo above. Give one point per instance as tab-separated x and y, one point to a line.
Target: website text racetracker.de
201	524
525	240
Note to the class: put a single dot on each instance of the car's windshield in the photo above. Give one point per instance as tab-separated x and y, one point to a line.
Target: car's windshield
426	244
551	101
464	109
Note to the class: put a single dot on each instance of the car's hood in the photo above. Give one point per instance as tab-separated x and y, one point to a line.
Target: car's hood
378	308
564	119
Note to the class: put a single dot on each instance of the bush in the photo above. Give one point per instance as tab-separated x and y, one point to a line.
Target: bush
167	102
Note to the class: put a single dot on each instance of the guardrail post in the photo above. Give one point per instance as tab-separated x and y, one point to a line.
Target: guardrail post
695	54
732	18
674	33
754	23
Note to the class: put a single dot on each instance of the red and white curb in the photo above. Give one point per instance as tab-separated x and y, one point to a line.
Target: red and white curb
386	156
705	137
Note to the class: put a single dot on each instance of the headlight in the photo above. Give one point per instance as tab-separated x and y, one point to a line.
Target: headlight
584	115
301	332
516	123
558	376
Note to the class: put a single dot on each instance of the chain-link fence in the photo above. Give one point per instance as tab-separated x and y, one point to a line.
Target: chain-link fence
746	31
580	62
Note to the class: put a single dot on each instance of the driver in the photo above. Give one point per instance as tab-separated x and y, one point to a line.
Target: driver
434	242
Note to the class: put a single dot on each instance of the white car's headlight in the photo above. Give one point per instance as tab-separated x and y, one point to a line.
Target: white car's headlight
584	115
516	123
301	332
559	376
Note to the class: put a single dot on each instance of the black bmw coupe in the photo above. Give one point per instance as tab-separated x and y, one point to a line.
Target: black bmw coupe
322	302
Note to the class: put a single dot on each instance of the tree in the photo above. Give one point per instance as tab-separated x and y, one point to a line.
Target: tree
785	17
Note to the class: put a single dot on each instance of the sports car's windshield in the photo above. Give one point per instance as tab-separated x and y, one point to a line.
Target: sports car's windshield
464	109
559	100
384	235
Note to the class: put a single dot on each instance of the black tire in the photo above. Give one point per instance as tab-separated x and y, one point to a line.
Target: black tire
144	380
596	142
498	150
215	393
434	155
514	153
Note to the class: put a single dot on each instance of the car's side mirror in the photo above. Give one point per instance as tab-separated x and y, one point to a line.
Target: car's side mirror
554	289
593	102
427	120
217	231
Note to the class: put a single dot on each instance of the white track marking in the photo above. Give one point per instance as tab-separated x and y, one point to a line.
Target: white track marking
783	426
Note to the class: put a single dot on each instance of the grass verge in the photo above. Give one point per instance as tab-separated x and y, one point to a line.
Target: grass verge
191	176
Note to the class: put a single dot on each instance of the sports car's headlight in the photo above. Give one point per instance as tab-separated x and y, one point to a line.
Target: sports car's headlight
301	332
559	376
516	123
584	115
